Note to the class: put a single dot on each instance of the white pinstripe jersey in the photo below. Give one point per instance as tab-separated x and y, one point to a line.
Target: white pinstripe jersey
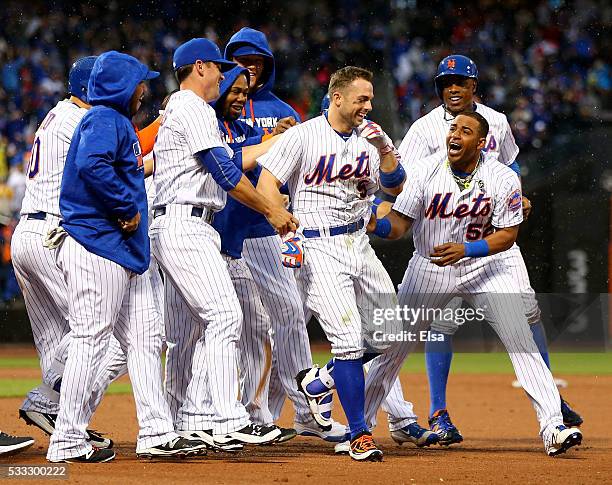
330	180
189	125
443	213
49	150
427	135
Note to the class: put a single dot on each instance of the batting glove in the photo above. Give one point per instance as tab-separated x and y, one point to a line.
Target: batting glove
376	136
292	252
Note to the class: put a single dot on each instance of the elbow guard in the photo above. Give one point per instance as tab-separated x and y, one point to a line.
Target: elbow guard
223	169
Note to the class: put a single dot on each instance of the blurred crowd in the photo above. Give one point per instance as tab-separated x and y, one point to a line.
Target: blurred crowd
540	62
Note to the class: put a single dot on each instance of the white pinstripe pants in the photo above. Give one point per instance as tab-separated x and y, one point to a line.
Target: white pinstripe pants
44	293
205	339
254	343
290	343
486	284
105	298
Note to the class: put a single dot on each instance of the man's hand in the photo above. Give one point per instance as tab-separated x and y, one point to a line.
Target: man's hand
281	220
447	254
283	125
526	207
374	134
130	225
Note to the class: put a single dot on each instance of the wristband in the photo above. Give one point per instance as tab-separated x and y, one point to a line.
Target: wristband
383	228
393	179
476	249
375	203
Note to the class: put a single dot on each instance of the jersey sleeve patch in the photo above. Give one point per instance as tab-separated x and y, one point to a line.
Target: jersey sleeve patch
515	201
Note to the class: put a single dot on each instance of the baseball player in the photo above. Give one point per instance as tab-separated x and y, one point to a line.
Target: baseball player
10	445
193	170
332	169
463	209
276	283
456	83
42	283
103	252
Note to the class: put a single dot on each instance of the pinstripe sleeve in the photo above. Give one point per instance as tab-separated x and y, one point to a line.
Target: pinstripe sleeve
200	127
507	211
410	201
508	149
413	147
284	157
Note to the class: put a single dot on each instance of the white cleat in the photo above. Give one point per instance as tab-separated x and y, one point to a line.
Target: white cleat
562	439
311	428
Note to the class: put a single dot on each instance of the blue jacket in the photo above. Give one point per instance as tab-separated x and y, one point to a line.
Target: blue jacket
234	222
264	108
104	173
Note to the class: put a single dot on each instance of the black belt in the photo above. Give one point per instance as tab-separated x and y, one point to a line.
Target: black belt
336	231
198	212
38	216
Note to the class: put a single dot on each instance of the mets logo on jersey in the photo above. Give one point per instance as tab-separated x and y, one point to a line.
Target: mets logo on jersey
325	168
479	206
138	154
451	63
515	201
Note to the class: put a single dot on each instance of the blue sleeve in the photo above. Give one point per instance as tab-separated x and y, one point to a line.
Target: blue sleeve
224	170
95	158
295	115
516	167
253	135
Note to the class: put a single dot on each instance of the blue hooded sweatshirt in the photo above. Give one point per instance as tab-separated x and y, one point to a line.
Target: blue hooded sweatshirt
104	173
264	108
234	222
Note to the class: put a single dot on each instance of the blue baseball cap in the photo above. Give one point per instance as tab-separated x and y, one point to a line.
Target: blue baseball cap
249	50
199	49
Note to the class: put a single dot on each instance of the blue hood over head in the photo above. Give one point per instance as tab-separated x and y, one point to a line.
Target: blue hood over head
250	41
114	78
227	83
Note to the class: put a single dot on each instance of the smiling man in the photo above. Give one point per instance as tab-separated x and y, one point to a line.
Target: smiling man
464	207
333	164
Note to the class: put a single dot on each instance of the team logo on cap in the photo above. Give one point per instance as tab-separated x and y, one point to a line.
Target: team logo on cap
451	63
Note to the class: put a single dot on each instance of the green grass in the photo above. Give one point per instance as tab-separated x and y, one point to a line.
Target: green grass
466	363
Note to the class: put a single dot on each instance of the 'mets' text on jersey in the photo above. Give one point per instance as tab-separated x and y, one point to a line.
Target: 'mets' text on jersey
330	179
442	212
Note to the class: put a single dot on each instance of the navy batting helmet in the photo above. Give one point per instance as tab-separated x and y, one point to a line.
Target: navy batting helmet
79	77
325	102
455	65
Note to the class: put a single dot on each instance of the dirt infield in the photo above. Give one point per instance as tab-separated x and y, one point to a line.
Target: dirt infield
498	423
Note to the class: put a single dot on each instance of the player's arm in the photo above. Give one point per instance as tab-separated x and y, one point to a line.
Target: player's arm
251	153
226	173
146	137
501	240
391	172
392	226
269	186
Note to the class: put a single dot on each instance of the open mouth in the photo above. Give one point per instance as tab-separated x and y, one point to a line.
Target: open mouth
454	148
455	99
237	107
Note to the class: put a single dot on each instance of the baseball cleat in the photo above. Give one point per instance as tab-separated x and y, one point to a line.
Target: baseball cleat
286	435
9	445
179	446
571	418
344	446
413	433
320	404
46	422
207	437
311	428
252	434
563	439
92	456
363	448
441	424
